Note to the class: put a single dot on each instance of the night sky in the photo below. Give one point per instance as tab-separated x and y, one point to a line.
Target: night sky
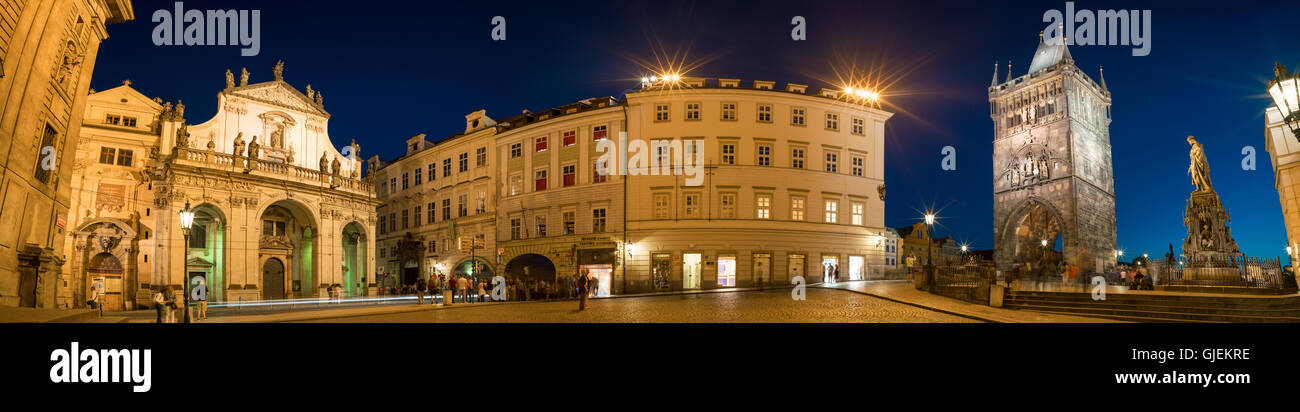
393	71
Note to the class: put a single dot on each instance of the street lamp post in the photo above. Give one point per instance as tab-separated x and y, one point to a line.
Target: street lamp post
187	221
929	243
1285	90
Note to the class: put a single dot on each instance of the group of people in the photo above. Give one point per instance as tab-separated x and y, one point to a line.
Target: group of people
831	273
467	289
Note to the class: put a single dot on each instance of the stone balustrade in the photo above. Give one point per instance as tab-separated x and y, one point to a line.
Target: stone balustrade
269	168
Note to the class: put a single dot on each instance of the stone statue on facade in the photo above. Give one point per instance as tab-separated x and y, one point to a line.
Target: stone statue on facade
180	109
230	79
320	98
278	70
356	150
1200	167
183	136
243	76
310	93
254	151
324	163
239	145
336	167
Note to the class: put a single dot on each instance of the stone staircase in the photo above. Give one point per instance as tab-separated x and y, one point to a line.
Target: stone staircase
1160	307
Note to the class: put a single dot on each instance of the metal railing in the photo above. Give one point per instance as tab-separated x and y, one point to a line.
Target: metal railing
969	283
1232	271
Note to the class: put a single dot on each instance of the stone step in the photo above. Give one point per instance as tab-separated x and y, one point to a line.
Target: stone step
1135	319
1161	307
111	319
1167	315
1179	300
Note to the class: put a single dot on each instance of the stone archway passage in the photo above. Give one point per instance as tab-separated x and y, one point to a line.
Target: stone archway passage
531	267
1032	234
273	279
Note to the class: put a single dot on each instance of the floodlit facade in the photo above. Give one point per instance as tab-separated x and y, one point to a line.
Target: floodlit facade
48	50
279	211
785	184
1284	156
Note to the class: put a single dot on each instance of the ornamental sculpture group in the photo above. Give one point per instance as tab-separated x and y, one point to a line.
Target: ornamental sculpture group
1209	246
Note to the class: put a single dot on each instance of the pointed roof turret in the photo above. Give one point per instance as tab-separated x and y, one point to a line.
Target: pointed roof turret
995	74
1008	70
1049	55
1102	71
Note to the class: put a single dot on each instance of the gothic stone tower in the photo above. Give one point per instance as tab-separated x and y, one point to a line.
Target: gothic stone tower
1052	174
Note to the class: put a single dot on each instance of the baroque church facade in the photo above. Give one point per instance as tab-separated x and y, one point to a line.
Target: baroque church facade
280	212
1054	189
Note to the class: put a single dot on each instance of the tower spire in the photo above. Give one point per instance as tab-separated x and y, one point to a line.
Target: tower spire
995	74
1102	70
1008	70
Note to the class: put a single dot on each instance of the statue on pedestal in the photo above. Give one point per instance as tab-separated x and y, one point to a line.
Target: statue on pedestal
324	163
1209	246
335	167
1200	167
230	79
243	76
278	70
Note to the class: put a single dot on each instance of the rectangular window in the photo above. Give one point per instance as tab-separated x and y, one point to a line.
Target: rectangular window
661	112
433	171
432	209
859	126
570	222
480	205
765	113
516	229
128	121
392	222
598	174
516	184
480	157
113	119
446	209
124	157
692	111
406	218
446	167
462	206
797	207
728	111
540	221
516	150
661	206
417	216
832	162
857	166
691	205
763	206
406	180
764	154
832	211
464	162
539	180
797	157
598	220
598	132
729	154
570	138
392	185
570	175
858	209
832	121
539	145
727	270
383	227
727	205
107	154
418	174
797	116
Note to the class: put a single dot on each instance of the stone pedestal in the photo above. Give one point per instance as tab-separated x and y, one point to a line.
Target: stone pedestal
1209	246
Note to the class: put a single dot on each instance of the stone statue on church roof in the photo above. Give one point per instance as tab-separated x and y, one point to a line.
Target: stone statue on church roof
278	70
230	79
243	76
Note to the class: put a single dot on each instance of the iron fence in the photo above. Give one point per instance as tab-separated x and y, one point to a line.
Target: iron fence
969	283
1231	271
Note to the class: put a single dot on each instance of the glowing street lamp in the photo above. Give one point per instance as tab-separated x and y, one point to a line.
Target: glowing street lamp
929	242
187	221
1285	90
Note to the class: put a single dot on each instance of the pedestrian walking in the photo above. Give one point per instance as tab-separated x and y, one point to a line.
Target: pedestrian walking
160	304
584	285
93	301
482	293
202	301
171	306
462	287
419	292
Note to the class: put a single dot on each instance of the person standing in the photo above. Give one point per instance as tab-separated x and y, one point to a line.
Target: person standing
93	301
419	292
159	304
583	285
202	301
171	306
462	288
482	293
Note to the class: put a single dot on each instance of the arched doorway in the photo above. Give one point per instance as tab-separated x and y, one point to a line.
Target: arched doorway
288	234
531	266
273	279
354	255
1034	239
410	272
205	255
105	273
466	268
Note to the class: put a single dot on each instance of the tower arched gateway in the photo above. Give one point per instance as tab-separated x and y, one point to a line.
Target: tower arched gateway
1053	189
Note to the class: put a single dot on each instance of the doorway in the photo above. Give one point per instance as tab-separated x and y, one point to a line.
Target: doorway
604	276
762	268
797	266
691	270
857	268
410	272
829	265
273	279
727	271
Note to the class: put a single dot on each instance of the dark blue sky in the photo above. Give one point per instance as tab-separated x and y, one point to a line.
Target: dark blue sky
392	71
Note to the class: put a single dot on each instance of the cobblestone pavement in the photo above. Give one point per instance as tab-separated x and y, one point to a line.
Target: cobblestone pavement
737	307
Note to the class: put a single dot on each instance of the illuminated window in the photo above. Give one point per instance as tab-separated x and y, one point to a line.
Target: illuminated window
763	206
570	138
539	180
539	144
516	184
727	205
570	222
570	175
727	270
798	204
661	206
858	210
832	211
598	132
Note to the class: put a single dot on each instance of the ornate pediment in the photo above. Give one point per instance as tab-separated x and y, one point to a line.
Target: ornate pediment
278	93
